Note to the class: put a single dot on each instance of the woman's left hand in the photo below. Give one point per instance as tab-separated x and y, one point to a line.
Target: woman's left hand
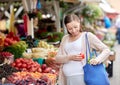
93	62
52	63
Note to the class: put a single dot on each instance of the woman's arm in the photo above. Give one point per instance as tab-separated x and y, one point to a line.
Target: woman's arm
100	46
61	56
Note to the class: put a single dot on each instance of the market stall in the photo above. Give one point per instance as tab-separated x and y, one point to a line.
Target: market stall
18	67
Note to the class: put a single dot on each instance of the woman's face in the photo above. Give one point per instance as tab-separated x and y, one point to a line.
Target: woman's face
73	28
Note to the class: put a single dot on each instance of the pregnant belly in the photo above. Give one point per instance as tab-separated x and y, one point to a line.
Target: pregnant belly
73	68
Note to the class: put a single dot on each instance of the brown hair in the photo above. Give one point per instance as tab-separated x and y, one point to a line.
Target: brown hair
71	17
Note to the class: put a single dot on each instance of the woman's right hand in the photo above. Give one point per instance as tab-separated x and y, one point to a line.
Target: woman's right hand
77	57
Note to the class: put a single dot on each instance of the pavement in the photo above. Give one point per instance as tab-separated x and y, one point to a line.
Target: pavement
115	79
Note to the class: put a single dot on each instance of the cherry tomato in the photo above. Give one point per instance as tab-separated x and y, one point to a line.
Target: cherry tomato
82	55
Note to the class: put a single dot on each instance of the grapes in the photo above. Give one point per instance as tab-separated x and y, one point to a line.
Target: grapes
6	70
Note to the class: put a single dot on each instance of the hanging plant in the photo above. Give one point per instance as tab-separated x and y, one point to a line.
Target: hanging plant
91	12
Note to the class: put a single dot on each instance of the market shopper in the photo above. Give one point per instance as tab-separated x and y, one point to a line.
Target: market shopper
117	26
70	50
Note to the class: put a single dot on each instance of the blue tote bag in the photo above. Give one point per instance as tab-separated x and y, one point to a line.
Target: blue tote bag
94	74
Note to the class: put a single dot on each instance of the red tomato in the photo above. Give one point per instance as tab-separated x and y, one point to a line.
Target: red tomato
17	60
13	64
18	64
24	69
24	65
82	55
39	70
47	70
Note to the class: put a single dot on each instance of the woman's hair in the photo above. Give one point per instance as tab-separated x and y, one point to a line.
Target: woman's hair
71	17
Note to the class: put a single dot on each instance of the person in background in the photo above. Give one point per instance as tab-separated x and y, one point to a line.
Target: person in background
117	26
72	52
107	22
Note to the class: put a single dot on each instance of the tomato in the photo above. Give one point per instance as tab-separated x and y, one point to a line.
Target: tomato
17	60
47	70
13	64
39	70
24	69
24	65
82	55
18	64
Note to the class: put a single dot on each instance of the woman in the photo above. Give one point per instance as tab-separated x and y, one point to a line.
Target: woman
72	44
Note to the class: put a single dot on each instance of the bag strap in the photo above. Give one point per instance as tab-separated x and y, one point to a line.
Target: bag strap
88	48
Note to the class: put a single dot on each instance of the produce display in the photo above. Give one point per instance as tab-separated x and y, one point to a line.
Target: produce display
54	36
28	65
6	54
30	41
23	69
6	70
26	78
109	39
46	69
1	40
2	37
44	44
17	49
6	57
43	50
11	39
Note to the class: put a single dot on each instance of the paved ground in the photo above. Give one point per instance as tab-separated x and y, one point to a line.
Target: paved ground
115	80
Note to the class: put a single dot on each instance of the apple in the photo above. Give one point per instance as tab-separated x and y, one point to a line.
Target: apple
43	66
47	70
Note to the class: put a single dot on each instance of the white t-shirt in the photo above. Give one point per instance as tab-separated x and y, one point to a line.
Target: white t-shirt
73	67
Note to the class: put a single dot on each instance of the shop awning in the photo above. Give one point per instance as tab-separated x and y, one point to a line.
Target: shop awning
110	12
112	15
106	8
115	4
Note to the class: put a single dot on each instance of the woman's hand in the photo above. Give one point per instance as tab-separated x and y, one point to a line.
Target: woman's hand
78	57
52	63
93	62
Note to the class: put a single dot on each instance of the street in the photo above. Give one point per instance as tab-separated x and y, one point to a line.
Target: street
115	80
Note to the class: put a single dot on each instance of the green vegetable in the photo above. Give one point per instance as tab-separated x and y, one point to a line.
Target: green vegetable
17	49
91	12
